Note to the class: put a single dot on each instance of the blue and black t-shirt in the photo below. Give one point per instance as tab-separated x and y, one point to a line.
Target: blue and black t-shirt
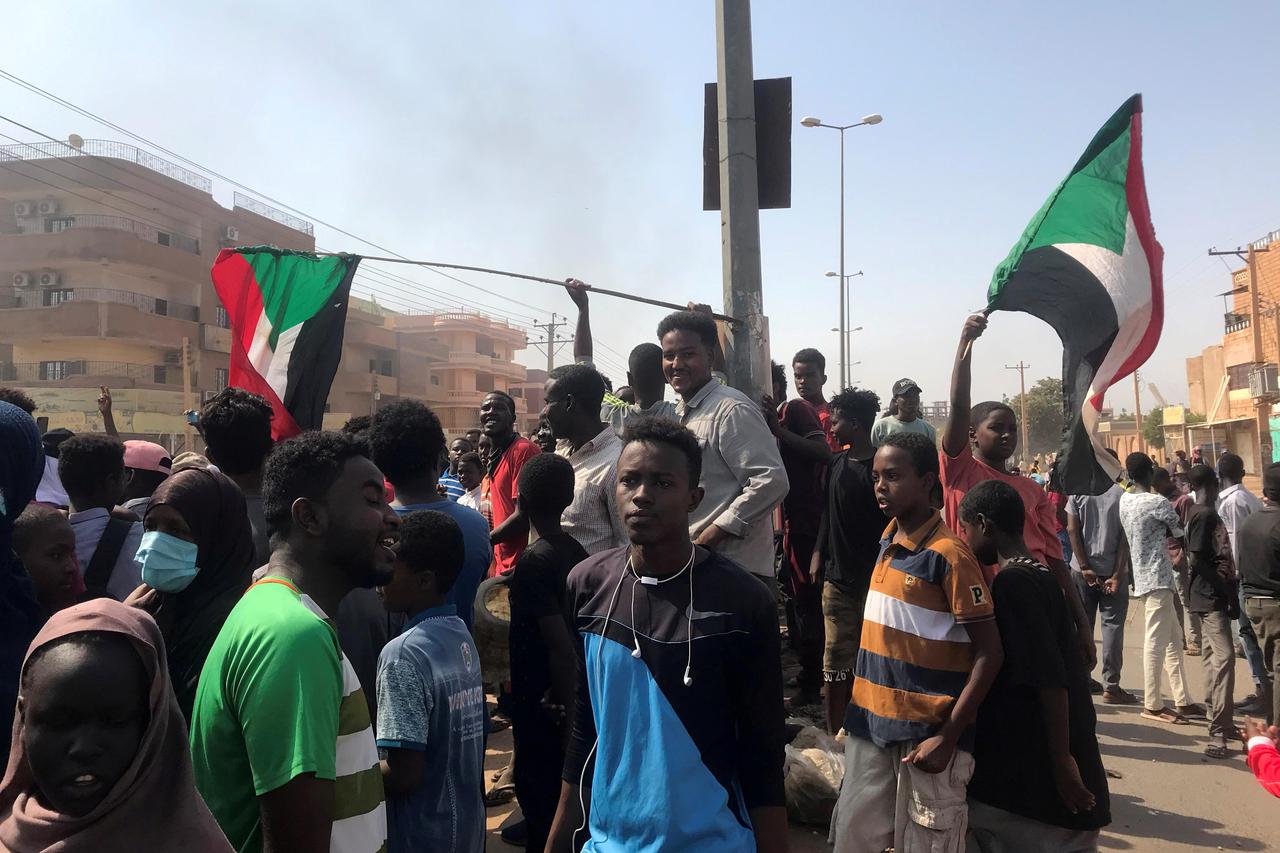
676	767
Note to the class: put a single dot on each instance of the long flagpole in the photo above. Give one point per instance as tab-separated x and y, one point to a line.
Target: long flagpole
557	282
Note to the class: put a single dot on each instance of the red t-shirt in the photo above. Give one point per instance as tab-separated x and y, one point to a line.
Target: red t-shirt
961	473
502	499
824	418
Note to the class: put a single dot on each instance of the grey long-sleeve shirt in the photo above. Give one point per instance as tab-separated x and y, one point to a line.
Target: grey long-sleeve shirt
742	473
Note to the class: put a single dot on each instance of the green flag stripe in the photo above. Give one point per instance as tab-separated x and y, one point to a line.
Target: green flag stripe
294	285
1089	206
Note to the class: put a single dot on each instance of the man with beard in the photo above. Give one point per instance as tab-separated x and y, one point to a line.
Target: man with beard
277	694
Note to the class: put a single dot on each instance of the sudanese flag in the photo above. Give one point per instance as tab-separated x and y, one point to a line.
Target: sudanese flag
288	311
1089	265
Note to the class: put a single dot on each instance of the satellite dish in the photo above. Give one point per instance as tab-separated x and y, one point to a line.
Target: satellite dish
76	141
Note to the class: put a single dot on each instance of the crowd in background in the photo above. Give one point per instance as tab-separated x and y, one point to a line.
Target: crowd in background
289	647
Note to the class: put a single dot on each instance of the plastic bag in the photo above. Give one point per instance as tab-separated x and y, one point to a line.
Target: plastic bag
812	772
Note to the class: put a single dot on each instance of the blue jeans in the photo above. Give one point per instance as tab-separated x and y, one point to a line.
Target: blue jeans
1114	608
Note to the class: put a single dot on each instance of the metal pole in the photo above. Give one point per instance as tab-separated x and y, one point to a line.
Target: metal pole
1137	413
844	321
747	354
188	439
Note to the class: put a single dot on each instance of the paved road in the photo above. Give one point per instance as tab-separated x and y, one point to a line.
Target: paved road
1169	798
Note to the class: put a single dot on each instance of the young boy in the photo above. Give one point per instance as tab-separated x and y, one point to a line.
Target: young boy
678	740
542	656
430	699
848	545
471	475
977	446
46	545
1039	784
1211	595
930	651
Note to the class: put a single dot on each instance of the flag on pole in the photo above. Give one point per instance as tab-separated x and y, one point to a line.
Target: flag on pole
1089	265
288	310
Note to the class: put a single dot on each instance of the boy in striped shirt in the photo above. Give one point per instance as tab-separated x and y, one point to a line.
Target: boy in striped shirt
930	652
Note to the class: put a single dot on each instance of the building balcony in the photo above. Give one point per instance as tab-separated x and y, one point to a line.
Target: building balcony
52	297
100	245
127	320
1235	322
90	374
143	231
106	148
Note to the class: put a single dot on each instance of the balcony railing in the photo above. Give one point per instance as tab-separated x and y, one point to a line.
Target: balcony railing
288	220
53	297
106	148
1235	322
141	230
60	371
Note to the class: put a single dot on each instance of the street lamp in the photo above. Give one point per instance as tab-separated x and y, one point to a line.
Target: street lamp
846	352
811	121
846	306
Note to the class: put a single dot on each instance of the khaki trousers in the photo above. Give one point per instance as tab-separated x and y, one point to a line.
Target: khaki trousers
1162	645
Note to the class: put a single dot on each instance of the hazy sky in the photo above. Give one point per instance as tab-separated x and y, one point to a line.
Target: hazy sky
562	138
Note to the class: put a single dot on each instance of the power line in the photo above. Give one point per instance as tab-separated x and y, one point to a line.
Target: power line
31	87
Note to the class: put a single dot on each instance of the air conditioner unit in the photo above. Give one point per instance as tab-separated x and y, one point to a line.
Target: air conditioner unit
233	233
48	207
24	208
50	279
1263	381
23	279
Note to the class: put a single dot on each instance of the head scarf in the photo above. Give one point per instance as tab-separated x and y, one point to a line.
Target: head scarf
214	508
21	465
154	805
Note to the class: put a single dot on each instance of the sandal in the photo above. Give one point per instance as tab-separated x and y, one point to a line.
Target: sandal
1216	750
1165	715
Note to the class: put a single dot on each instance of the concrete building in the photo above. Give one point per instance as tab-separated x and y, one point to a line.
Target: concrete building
1233	383
104	274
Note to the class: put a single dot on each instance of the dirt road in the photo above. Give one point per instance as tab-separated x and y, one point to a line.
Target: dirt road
1169	798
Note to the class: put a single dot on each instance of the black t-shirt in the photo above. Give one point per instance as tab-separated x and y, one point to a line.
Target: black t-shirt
1208	556
854	522
1012	768
1259	543
537	589
802	507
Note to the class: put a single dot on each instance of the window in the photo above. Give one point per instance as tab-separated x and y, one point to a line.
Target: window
55	296
382	366
160	374
162	307
223	318
57	224
435	380
53	370
1238	376
221	378
162	238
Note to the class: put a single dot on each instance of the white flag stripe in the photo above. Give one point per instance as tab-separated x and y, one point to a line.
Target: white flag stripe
277	374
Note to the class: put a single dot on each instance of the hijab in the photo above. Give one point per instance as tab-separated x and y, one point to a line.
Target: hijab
21	466
214	508
154	805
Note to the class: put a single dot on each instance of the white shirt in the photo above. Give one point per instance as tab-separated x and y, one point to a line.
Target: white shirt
471	499
742	474
88	527
50	490
592	518
1148	520
1235	504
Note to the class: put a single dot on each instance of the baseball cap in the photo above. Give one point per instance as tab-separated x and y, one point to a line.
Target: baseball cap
905	386
147	456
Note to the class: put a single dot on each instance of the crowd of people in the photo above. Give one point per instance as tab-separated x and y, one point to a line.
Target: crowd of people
275	647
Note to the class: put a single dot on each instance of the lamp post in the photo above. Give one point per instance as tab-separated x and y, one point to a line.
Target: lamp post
846	307
810	121
846	353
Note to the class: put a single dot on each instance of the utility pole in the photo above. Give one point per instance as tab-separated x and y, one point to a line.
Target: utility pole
1137	413
549	345
188	404
1262	407
1022	403
746	343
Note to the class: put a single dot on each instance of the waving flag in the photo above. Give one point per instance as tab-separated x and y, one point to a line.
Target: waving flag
1089	265
288	310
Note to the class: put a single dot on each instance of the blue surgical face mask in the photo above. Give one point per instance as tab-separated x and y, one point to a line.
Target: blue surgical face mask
168	563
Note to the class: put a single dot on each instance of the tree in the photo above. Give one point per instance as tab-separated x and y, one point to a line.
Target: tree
1045	418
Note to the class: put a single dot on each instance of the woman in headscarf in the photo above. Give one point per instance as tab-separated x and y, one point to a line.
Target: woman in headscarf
100	761
197	551
21	466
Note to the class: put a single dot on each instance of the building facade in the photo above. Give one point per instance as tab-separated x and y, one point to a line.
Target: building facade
1233	383
105	253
